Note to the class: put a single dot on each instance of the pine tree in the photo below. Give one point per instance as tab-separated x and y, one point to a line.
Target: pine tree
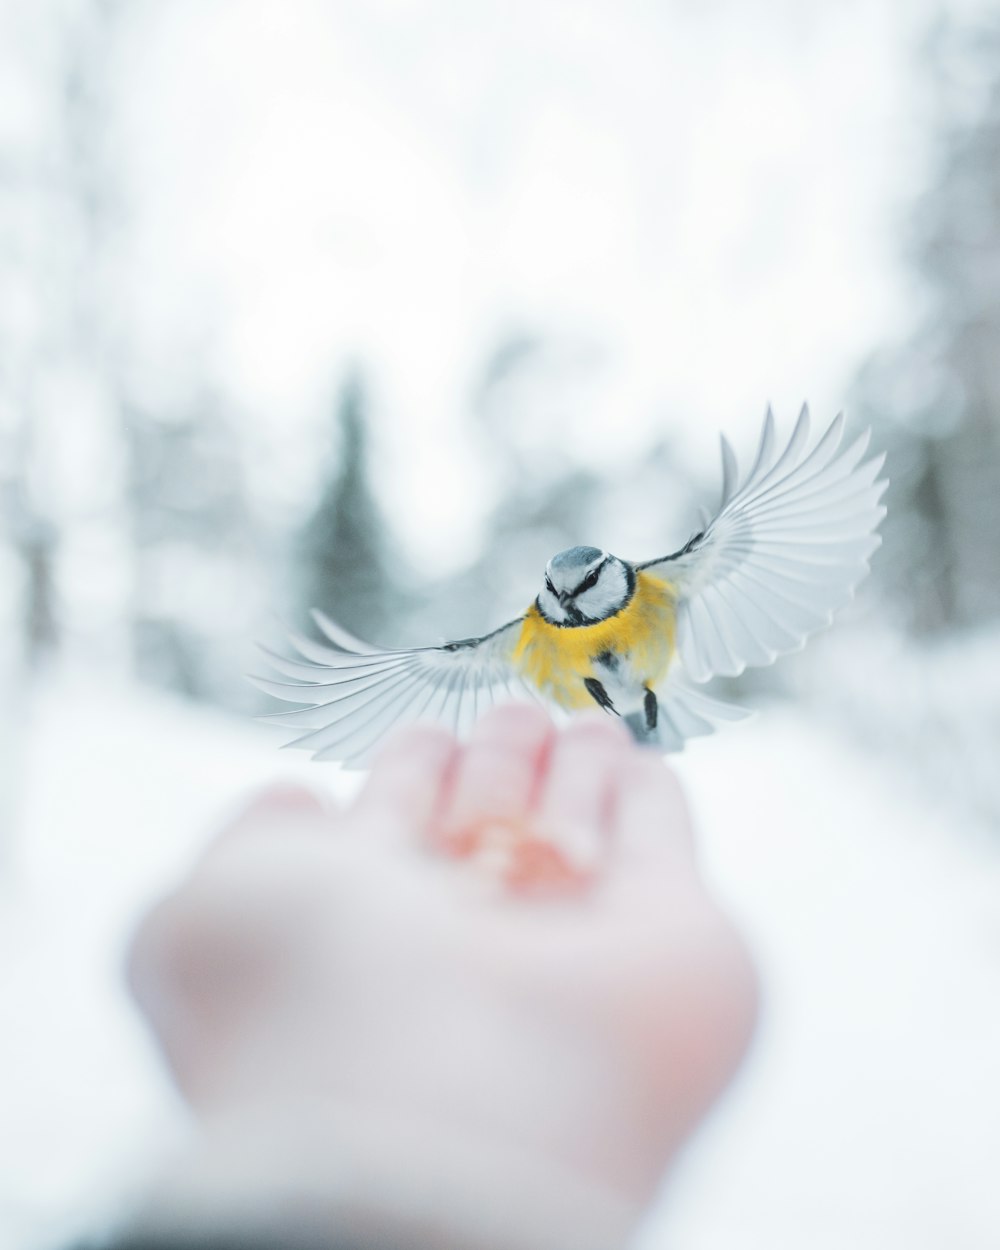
936	399
342	549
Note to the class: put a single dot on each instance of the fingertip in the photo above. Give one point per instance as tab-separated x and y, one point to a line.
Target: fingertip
274	812
598	730
652	811
290	798
408	780
579	785
425	741
515	719
494	777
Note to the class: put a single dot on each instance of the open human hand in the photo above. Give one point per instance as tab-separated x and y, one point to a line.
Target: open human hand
489	1000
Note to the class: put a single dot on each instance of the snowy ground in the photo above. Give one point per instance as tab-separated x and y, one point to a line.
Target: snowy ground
868	1117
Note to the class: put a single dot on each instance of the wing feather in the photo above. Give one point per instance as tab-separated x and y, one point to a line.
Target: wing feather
308	672
784	552
357	750
338	635
337	718
354	694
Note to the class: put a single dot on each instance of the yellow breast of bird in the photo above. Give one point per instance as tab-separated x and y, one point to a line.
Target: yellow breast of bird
557	658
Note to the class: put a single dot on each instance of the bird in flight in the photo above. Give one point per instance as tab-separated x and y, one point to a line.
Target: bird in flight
785	549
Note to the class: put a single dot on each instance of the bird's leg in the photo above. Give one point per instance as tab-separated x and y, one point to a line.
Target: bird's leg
643	723
599	695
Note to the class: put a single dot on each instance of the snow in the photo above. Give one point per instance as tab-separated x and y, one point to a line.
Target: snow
119	792
866	1116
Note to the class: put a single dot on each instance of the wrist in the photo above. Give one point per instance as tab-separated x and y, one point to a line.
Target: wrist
377	1179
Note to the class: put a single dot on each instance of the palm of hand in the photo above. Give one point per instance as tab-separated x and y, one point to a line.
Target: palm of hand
508	941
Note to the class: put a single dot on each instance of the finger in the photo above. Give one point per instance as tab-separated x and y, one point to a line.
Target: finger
651	819
280	810
405	788
578	790
496	776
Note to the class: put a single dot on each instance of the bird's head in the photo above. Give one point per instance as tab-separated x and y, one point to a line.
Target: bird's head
584	585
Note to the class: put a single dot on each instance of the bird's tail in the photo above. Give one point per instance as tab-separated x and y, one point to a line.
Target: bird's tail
682	712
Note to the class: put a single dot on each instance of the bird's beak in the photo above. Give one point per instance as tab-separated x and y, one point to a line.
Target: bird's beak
564	597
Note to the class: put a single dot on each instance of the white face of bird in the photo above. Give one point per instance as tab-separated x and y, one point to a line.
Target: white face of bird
584	585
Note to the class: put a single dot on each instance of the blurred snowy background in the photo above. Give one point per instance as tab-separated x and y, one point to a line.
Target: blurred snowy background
373	306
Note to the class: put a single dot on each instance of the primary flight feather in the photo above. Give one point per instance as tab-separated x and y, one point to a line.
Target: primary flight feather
786	548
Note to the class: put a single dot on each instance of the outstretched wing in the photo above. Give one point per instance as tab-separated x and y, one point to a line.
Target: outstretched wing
785	550
357	693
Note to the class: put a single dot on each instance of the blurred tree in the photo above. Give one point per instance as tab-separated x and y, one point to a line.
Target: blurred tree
342	551
53	212
34	541
546	501
59	370
194	556
935	399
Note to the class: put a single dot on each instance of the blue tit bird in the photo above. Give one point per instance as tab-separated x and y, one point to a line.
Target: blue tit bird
783	552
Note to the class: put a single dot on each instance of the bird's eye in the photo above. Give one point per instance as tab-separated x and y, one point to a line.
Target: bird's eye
548	584
589	581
